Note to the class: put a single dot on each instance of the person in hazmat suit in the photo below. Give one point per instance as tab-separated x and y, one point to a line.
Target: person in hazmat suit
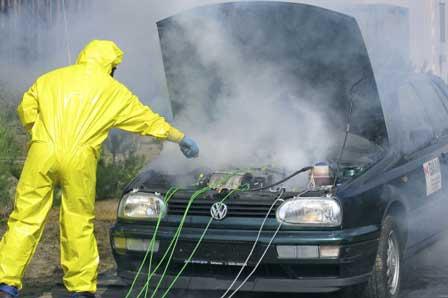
69	112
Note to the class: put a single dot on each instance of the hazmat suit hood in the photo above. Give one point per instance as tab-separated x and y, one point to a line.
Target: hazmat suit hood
102	53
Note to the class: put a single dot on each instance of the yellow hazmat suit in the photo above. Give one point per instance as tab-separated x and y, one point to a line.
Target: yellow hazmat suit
69	113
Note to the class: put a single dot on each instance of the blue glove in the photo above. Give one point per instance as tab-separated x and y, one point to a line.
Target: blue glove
189	147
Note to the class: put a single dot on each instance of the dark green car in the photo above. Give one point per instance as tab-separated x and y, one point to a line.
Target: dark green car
347	223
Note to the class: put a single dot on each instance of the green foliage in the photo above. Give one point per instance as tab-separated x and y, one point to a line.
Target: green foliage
119	164
113	176
10	154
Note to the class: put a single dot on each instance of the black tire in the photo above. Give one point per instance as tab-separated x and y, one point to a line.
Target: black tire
378	285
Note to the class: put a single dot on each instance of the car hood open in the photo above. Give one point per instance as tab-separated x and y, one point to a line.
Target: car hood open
317	49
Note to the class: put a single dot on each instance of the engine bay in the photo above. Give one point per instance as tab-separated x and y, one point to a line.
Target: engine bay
320	176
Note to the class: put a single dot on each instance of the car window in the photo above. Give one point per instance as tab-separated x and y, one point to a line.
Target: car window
434	106
442	92
421	113
414	119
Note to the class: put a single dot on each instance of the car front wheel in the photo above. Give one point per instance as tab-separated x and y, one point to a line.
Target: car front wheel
386	274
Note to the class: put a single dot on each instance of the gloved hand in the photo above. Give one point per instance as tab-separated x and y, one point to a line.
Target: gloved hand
189	147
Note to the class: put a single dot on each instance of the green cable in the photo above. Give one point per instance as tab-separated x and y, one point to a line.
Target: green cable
167	197
150	265
150	274
188	260
173	241
246	187
195	248
192	198
171	244
153	243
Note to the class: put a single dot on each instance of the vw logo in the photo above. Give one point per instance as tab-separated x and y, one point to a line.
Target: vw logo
218	211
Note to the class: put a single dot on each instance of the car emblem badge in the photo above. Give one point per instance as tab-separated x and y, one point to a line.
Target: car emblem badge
218	211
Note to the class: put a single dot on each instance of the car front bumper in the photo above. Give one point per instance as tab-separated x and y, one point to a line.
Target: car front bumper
222	253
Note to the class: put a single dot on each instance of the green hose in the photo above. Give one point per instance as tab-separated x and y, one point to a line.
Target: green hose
174	241
172	246
193	198
188	260
152	245
195	248
176	236
167	197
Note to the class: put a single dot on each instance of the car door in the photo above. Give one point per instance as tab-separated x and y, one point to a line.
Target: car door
424	126
424	187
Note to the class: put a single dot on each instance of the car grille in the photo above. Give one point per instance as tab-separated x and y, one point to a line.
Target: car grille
235	209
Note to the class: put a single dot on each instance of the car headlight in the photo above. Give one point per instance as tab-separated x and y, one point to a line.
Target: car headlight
323	212
142	205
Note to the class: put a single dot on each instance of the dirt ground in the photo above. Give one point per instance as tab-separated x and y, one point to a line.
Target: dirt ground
44	271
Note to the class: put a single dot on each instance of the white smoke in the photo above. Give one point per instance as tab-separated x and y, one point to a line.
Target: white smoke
255	121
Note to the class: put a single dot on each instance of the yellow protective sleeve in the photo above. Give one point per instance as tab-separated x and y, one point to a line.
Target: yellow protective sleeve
28	109
138	118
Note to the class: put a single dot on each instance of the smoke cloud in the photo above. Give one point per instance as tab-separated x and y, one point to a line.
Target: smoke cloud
253	119
257	119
